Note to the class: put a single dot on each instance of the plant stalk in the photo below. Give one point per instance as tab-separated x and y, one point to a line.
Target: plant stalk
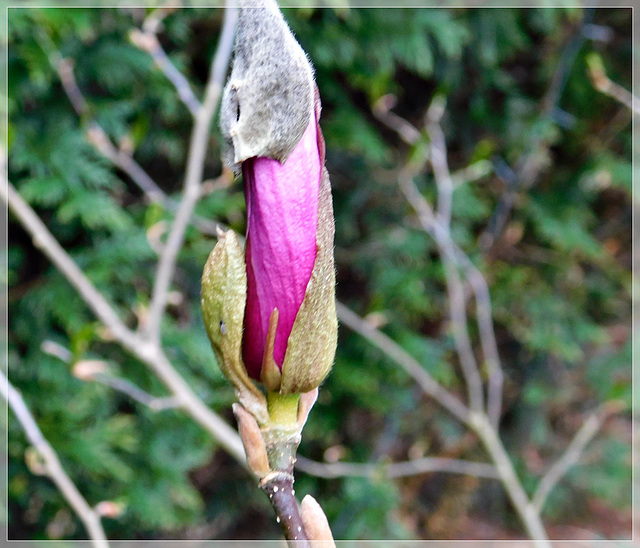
282	437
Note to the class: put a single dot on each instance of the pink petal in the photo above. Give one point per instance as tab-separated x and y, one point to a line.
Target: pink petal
282	214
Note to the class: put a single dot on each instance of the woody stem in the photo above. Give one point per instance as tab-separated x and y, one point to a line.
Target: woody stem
279	487
281	439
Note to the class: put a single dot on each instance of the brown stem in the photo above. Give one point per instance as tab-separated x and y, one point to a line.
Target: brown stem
279	487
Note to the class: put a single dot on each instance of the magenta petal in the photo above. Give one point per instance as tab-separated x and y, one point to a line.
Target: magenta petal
282	216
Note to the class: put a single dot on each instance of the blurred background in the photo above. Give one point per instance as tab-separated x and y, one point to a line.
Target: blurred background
541	162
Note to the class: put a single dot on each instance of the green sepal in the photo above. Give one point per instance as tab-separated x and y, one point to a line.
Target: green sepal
224	297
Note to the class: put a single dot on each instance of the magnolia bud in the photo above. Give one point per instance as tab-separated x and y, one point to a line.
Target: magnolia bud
281	303
268	99
316	524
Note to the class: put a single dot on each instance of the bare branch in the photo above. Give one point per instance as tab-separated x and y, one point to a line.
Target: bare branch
98	370
121	159
64	68
407	362
52	467
43	240
444	183
56	350
604	84
95	134
572	454
529	515
396	469
131	390
535	158
483	424
438	158
149	353
148	41
455	290
193	178
100	140
382	111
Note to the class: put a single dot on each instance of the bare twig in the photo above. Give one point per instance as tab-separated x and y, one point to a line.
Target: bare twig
193	177
131	390
455	289
43	240
97	370
396	469
52	467
604	84
483	423
279	488
529	515
451	253
405	130
440	164
56	350
100	140
438	158
95	134
407	362
148	352
121	159
148	41
535	158
478	422
573	452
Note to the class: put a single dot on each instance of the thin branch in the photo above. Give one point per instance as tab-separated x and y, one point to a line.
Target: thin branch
438	158
451	253
148	41
604	84
529	515
148	352
483	424
128	388
193	178
444	184
95	133
455	290
100	140
121	159
405	130
535	158
406	361
97	370
52	466
572	454
56	350
278	486
43	240
396	469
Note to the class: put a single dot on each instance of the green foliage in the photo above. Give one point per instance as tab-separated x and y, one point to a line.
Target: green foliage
559	273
